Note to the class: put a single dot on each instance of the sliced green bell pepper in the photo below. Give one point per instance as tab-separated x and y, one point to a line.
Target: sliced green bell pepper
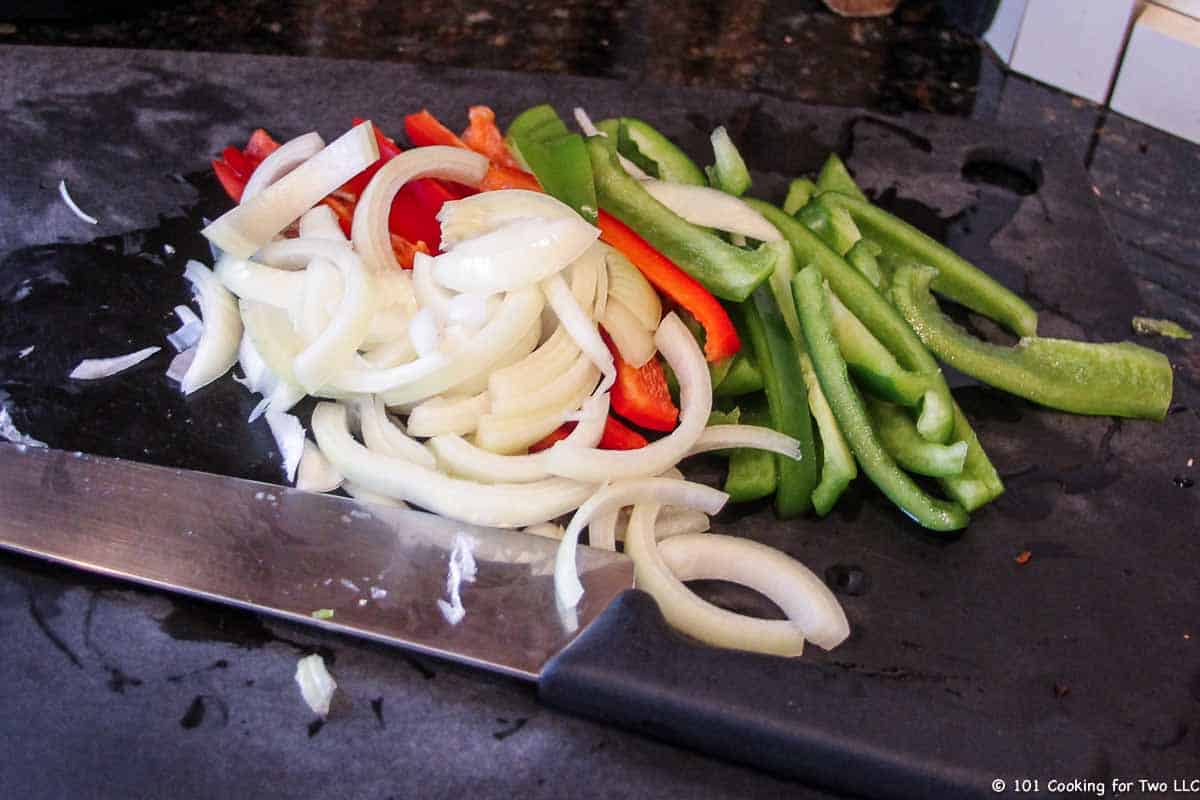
864	257
728	272
800	191
897	433
876	313
835	177
958	279
813	308
557	158
729	173
872	363
1122	379
978	483
753	474
743	377
657	155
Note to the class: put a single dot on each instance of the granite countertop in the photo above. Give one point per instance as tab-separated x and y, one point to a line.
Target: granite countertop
401	709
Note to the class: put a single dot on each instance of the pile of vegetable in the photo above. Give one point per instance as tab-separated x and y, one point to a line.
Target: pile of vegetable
509	328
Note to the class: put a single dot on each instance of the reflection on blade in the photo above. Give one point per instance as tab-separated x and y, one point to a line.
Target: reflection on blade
290	553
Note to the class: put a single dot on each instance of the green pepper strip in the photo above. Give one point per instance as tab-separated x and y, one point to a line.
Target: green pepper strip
837	462
957	279
753	474
743	377
978	483
642	144
898	434
937	406
775	351
872	363
835	177
728	272
813	308
1122	379
863	256
800	191
557	157
729	173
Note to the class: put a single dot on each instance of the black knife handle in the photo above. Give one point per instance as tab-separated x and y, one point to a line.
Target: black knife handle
796	718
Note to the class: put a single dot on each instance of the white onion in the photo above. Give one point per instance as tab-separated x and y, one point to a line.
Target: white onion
564	392
602	532
188	333
250	280
180	363
76	210
446	415
321	285
283	160
369	231
393	353
688	612
289	440
500	505
470	310
513	433
217	349
424	334
315	473
316	684
580	327
295	254
671	521
724	437
518	254
712	208
695	389
367	496
634	342
257	375
429	295
319	222
247	227
627	284
509	386
803	597
568	590
384	435
331	352
520	349
388	325
547	530
516	314
483	213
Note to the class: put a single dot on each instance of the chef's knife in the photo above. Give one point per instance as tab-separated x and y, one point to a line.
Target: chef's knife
381	571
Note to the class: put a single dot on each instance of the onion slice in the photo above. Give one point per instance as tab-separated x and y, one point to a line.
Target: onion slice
91	369
75	209
568	590
289	440
579	325
695	389
633	342
687	611
500	505
518	254
445	415
316	684
251	280
382	435
712	208
755	437
283	160
369	231
801	594
247	227
315	473
319	222
483	213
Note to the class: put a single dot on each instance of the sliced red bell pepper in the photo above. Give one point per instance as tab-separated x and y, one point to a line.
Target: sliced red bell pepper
485	138
388	149
616	436
261	145
423	129
640	394
231	182
499	177
235	167
720	337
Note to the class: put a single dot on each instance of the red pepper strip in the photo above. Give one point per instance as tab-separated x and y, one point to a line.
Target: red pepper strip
231	182
720	337
388	149
404	249
485	138
499	177
423	129
641	395
260	146
615	437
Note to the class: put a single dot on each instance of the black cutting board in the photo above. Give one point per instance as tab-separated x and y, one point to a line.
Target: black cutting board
1098	629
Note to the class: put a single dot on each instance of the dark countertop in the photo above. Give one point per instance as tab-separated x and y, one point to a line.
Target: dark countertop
169	660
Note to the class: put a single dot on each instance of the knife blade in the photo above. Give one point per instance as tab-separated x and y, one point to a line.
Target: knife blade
288	553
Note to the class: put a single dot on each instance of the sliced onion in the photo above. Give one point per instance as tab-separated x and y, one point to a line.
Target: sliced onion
367	496
289	440
518	254
373	380
602	532
258	378
516	314
315	473
332	351
712	208
627	285
580	327
562	393
283	160
514	433
446	415
755	437
186	335
634	342
520	349
395	288
509	386
695	389
319	222
294	254
75	209
588	129
180	363
483	213
217	349
271	334
424	333
382	434
547	530
284	396
316	684
430	296
459	457
471	310
803	597
687	611
388	325
671	521
369	231
501	505
321	284
251	280
247	227
613	497
393	353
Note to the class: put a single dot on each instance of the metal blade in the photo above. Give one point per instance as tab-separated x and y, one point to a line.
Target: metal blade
288	553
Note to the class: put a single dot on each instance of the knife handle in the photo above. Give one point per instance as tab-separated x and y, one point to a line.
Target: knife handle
796	718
